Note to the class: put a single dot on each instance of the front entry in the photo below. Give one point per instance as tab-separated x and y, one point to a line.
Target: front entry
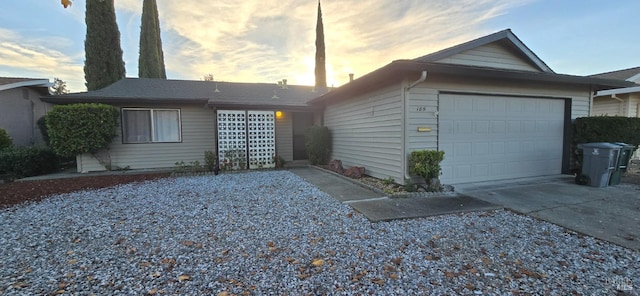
246	139
301	121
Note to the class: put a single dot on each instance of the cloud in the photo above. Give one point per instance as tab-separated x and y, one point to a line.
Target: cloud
29	57
267	41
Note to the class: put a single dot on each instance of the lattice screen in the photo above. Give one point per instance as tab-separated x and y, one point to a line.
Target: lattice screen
262	139
232	139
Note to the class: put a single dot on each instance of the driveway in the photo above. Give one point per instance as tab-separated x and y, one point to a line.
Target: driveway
611	213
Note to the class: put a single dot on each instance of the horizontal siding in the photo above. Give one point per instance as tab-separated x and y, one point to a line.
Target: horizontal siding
634	105
491	55
198	135
607	106
367	131
422	110
284	136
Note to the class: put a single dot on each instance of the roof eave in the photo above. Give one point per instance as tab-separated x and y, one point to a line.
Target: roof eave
618	91
44	83
120	100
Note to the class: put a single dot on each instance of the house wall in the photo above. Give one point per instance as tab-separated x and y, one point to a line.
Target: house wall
607	106
491	55
20	109
284	136
198	135
367	131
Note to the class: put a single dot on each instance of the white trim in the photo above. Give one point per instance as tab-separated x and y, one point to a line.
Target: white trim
36	83
617	91
152	127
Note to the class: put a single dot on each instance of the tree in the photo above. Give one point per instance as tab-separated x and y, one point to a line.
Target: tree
103	63
207	77
151	59
59	87
321	71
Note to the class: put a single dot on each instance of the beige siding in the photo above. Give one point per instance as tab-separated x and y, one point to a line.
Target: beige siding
198	135
367	131
491	55
284	136
608	106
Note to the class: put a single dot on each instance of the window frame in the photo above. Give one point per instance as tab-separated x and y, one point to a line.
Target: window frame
152	124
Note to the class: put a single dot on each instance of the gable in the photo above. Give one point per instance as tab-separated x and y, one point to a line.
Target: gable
492	55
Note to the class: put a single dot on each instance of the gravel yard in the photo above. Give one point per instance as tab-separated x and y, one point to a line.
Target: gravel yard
260	233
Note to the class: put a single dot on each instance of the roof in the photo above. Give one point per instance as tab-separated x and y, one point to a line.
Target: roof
213	93
398	70
626	74
505	37
15	82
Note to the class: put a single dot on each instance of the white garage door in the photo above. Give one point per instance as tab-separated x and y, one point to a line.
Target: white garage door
494	137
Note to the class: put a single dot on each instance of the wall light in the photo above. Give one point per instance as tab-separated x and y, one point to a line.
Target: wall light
278	114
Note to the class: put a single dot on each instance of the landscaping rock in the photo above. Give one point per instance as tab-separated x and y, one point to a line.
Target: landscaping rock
354	172
336	166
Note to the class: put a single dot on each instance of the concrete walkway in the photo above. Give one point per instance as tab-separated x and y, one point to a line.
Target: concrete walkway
611	213
378	207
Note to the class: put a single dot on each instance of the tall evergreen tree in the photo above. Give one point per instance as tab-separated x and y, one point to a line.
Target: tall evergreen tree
151	59
103	63
321	71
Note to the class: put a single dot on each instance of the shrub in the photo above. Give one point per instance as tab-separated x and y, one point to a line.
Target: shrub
42	125
81	128
318	144
604	129
27	161
279	161
5	139
426	164
210	160
607	129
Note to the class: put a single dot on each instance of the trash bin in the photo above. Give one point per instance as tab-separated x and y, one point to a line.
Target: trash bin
599	161
626	151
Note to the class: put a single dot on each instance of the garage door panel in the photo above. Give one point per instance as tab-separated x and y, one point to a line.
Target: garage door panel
492	138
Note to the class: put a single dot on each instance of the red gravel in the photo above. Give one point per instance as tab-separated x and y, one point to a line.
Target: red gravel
18	192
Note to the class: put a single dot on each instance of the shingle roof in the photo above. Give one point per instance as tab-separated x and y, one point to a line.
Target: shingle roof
130	90
620	74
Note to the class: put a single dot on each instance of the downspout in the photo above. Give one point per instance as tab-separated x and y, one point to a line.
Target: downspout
405	111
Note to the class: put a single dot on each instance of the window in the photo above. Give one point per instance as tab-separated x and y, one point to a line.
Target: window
150	125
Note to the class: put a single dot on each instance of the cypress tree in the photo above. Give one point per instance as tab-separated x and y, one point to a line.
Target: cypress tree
151	59
103	63
321	71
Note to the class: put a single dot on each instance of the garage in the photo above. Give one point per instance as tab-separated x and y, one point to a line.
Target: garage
489	137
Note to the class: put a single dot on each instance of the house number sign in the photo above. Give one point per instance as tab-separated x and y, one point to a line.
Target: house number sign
421	108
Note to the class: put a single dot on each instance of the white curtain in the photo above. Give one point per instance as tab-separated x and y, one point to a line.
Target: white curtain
137	126
166	126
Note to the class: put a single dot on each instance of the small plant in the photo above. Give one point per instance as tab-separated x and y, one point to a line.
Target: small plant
388	181
409	186
191	167
209	160
5	139
318	144
279	161
234	159
426	164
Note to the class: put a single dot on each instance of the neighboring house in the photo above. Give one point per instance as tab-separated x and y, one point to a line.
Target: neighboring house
621	101
21	107
168	121
491	104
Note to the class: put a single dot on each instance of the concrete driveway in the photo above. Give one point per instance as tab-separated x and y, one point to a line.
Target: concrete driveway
611	213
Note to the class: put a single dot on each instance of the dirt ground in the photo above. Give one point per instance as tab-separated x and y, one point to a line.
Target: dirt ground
21	191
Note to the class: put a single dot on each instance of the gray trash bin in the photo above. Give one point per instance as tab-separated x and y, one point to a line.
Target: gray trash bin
599	161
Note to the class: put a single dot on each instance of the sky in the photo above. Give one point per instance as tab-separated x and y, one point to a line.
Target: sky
267	41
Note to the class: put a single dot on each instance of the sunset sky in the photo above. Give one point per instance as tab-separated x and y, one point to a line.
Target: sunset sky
266	41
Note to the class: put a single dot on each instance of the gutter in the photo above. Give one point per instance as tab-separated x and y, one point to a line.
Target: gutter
405	111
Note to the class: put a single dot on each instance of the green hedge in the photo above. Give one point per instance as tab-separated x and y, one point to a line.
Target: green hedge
23	162
81	128
318	144
607	129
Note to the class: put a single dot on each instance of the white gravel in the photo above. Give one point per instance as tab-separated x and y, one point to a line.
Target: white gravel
271	233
